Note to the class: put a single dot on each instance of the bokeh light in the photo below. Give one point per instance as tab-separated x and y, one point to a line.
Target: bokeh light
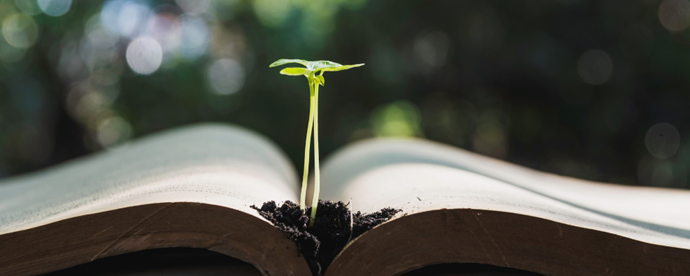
84	104
98	49
125	17
20	30
164	26
490	137
662	140
86	100
661	173
595	67
398	119
144	55
113	131
674	14
97	36
272	13
225	76
196	37
230	43
70	64
55	7
29	7
317	23
432	49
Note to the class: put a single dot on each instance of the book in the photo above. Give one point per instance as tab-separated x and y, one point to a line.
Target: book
193	187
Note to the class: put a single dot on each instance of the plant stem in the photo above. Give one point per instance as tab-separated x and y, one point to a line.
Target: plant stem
305	177
317	176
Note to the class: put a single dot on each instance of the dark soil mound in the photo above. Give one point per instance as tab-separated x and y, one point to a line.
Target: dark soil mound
331	231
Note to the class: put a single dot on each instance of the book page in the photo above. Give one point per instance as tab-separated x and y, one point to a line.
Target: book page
212	163
418	175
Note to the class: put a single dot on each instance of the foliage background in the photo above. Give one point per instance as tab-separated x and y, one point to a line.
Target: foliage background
591	89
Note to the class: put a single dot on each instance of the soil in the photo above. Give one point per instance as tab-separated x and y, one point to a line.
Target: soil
332	230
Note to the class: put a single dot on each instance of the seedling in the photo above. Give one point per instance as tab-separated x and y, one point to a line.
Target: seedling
314	72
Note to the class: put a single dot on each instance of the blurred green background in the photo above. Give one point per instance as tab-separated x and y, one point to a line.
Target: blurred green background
592	89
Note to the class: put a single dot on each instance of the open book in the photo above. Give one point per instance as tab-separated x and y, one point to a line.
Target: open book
193	187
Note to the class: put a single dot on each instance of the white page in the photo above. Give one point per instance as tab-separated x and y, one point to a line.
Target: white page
212	163
348	174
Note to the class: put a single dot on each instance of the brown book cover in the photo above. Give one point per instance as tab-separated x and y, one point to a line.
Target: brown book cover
193	187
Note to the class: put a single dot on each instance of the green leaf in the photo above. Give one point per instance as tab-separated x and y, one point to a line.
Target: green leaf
295	71
341	68
286	61
315	65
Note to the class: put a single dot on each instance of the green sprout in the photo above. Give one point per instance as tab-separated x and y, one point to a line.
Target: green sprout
314	72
